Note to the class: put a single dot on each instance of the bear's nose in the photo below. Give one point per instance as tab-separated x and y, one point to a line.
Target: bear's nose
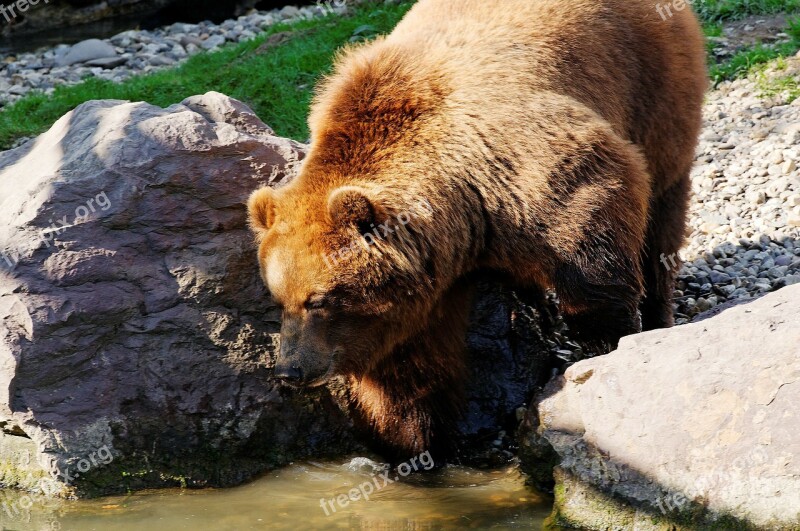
288	374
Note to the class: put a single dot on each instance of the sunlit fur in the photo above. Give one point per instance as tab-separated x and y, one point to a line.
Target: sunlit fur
553	140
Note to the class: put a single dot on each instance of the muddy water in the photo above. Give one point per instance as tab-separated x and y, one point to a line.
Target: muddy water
291	499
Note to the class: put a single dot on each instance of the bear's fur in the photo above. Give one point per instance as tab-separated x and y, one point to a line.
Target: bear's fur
552	141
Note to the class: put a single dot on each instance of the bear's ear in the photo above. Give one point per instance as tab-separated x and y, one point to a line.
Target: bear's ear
350	205
261	209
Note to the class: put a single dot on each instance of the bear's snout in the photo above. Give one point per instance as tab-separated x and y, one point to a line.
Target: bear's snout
287	373
304	358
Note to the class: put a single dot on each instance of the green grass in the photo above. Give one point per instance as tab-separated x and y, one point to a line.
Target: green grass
714	12
794	28
771	86
744	62
276	80
783	85
719	10
712	29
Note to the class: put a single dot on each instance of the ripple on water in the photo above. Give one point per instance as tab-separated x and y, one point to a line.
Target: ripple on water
292	498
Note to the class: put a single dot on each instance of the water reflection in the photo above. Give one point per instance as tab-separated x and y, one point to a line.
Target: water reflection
293	498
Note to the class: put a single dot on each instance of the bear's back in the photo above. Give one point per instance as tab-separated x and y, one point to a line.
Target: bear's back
620	58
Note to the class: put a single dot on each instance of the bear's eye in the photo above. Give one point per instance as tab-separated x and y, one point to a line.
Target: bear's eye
316	302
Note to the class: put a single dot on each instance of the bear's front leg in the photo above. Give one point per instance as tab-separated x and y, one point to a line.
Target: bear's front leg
598	310
413	398
589	227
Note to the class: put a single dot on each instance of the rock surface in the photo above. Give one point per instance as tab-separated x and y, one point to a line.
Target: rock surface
86	51
132	314
689	427
134	324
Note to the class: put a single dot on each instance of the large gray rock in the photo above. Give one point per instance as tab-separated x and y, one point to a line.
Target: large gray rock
691	427
85	51
132	316
136	337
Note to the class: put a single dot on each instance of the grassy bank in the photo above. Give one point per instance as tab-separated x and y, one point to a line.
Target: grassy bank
711	11
743	62
275	73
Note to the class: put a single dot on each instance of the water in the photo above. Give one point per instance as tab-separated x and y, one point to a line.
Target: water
188	11
290	499
101	29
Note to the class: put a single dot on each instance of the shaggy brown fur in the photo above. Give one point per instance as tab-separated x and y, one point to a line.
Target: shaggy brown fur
553	142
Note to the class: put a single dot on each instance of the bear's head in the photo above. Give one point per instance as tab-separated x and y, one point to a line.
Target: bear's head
348	269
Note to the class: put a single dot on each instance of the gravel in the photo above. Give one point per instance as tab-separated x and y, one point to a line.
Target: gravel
137	52
745	213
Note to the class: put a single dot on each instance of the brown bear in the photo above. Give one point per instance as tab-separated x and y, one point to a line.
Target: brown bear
545	141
